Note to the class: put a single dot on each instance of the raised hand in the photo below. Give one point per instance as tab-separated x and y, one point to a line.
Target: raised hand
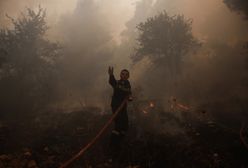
111	70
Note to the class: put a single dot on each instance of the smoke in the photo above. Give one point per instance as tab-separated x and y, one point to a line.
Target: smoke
54	9
213	23
88	31
98	33
208	17
214	78
88	49
212	20
240	6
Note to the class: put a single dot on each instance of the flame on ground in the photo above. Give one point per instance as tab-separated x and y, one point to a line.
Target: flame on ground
145	112
151	105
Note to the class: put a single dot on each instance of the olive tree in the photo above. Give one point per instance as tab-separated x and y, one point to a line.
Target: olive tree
28	63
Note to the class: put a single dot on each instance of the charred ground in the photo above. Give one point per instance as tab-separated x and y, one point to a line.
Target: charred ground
49	139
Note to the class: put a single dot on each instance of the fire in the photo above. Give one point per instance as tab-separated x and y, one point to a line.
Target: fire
145	112
151	104
147	108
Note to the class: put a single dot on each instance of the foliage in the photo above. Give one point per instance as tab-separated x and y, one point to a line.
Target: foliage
238	5
28	60
165	40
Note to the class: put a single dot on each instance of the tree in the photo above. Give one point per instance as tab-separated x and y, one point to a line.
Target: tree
28	63
238	5
165	40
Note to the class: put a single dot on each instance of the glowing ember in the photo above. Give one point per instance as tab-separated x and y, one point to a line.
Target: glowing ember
152	104
145	112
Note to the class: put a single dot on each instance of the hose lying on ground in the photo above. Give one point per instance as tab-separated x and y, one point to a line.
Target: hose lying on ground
92	142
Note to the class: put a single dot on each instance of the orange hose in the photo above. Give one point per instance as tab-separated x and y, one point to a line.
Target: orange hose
92	142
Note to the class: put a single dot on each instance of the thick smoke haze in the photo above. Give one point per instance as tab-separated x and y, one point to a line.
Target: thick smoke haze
117	12
208	16
238	6
95	34
88	31
218	68
54	8
188	64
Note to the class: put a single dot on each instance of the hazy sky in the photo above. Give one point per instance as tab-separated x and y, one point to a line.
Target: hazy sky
208	15
121	9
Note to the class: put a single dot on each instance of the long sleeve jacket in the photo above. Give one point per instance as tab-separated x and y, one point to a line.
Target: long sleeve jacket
122	89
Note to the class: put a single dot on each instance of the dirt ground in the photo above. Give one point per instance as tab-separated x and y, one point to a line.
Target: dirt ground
155	139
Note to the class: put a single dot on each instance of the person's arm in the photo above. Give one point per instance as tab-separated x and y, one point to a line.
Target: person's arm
112	80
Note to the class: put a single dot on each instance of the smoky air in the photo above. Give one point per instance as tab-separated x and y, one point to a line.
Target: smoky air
187	84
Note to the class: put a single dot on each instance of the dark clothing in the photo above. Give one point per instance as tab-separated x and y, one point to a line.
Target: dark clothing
122	90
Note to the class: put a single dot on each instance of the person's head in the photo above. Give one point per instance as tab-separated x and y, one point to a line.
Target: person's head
124	75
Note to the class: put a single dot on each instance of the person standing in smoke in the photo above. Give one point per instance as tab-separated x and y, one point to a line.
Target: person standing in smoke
122	92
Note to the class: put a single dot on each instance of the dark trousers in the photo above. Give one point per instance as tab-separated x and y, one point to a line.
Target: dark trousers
121	120
121	125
